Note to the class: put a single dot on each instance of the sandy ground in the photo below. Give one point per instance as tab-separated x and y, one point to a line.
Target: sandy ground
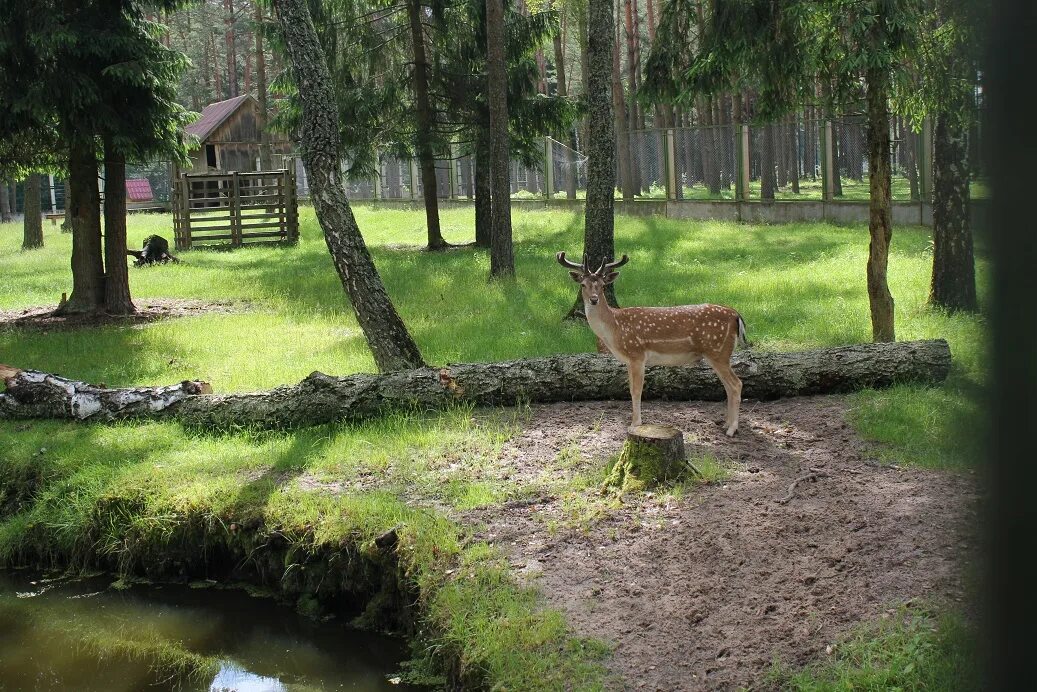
705	590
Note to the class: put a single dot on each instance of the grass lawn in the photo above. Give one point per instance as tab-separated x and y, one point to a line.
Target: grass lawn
798	286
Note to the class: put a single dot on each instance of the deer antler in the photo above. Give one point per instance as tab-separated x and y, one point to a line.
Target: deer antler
571	265
612	265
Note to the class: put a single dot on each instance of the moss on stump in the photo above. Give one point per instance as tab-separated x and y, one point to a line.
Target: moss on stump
652	454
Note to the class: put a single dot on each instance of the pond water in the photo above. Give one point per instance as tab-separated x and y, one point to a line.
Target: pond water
84	634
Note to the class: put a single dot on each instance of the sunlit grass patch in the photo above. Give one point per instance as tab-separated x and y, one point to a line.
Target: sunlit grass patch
909	649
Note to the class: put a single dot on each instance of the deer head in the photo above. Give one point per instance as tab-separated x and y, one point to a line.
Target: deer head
592	284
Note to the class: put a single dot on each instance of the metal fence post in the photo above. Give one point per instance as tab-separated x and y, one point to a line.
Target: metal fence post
827	163
671	165
742	167
549	168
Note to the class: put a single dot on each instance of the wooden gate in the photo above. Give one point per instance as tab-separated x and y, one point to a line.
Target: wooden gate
236	207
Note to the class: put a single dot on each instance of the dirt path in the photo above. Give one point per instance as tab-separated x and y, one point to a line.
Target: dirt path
706	590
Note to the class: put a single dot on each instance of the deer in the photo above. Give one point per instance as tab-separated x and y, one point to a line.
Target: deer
643	336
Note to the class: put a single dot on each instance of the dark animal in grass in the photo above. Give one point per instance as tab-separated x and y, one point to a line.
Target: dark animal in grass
156	249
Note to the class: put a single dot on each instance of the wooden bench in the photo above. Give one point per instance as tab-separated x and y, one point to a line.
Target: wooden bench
54	216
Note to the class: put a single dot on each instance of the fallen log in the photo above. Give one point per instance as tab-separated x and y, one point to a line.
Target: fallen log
323	398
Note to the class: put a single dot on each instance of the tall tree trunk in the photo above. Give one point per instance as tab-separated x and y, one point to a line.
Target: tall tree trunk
838	145
66	223
265	159
794	152
633	66
767	172
232	57
391	344
32	224
809	137
880	224
502	257
248	65
5	201
570	136
423	136
625	169
781	151
483	199
117	299
581	33
954	272
911	159
84	201
217	73
599	218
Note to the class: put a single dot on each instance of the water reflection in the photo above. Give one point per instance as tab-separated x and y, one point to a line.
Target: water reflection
236	678
84	635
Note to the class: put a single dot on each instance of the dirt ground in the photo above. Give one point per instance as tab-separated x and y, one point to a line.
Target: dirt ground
148	310
705	590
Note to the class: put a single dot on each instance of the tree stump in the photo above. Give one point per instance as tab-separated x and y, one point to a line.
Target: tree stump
652	454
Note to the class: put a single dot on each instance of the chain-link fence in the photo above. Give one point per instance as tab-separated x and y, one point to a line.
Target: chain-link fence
704	162
568	171
159	175
783	160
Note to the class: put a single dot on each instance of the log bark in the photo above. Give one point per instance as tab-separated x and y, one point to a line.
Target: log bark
321	398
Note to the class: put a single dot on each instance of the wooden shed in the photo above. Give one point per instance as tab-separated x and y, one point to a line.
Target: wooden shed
229	138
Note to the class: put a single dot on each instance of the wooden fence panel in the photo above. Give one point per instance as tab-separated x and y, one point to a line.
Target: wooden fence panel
238	207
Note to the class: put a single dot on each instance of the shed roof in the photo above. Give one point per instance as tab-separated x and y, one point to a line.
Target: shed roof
139	190
214	115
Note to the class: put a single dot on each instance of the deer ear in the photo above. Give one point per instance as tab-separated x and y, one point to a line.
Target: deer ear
610	277
577	277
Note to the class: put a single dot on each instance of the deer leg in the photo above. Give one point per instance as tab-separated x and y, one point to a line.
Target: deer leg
733	387
636	373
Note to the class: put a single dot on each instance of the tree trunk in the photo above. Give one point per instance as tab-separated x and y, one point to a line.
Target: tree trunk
32	224
502	257
321	399
423	136
265	158
5	202
809	150
483	202
794	153
626	178
954	273
767	182
837	151
117	299
599	215
570	136
390	343
84	202
66	223
880	223
911	159
633	66
232	58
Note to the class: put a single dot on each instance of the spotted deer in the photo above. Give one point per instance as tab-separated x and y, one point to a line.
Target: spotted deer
681	335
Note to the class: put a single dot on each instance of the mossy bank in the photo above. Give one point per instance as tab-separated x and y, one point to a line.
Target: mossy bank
159	502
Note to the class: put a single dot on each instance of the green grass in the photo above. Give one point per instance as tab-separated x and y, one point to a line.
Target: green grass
912	649
126	492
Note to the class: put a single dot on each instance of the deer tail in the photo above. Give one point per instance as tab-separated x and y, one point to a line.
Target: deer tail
742	339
